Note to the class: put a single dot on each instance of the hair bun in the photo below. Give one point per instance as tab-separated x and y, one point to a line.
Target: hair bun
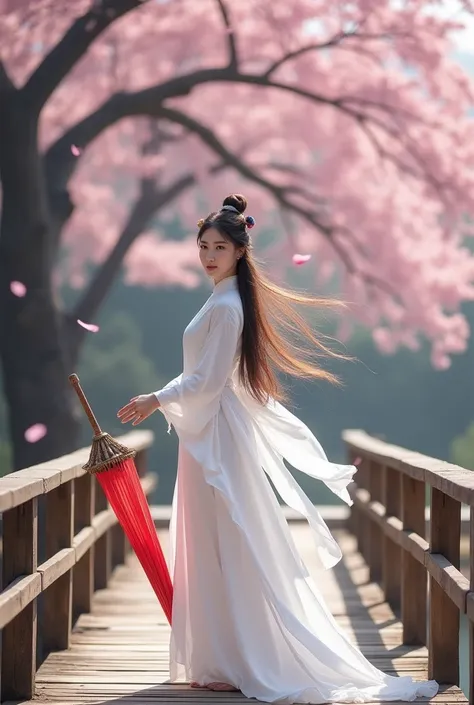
237	201
250	220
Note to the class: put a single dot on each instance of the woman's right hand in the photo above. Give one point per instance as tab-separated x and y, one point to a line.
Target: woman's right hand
138	409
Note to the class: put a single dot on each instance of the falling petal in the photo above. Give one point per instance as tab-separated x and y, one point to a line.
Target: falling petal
300	259
17	288
35	433
75	150
357	461
89	326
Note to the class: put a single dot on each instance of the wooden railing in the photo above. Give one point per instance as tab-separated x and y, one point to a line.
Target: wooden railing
60	544
417	565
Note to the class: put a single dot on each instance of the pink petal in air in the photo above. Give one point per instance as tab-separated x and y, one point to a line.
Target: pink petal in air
75	150
89	326
17	288
35	433
300	259
357	461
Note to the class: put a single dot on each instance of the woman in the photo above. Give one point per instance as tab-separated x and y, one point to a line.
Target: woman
246	614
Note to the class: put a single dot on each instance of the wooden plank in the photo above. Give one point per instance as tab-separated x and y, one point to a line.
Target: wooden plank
20	544
376	531
392	527
443	661
20	486
119	651
119	546
14	491
52	569
453	583
17	595
414	581
83	542
391	556
450	479
470	608
104	519
56	617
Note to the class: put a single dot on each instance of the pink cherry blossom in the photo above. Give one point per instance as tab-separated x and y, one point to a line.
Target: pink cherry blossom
300	259
18	288
35	433
377	172
92	327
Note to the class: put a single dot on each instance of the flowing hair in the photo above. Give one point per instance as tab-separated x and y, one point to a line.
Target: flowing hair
272	323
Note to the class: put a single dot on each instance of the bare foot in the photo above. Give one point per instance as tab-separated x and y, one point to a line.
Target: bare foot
195	684
220	686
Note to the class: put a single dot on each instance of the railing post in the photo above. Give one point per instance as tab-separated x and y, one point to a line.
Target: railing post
376	543
391	562
83	574
141	462
445	538
363	521
353	519
471	623
414	582
56	618
119	545
20	545
103	546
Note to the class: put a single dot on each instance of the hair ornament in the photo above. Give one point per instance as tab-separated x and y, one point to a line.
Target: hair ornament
250	221
230	208
200	223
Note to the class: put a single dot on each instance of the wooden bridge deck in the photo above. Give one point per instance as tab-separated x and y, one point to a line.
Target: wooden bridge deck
119	651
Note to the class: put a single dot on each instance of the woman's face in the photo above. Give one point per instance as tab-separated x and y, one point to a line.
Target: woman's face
218	256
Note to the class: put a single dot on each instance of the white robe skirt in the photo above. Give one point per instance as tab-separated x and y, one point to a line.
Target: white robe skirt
245	610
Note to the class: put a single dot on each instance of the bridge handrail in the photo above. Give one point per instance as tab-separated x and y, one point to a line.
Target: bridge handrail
390	493
61	542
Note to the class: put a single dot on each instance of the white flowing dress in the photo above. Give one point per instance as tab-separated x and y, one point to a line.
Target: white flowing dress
245	610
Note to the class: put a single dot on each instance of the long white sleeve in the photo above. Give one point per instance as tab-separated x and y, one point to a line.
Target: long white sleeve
189	401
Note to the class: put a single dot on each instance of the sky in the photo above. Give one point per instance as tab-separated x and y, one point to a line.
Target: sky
465	39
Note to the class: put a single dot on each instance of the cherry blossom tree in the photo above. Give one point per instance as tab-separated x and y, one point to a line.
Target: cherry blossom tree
350	118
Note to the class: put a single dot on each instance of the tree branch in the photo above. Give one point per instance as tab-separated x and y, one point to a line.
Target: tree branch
233	57
6	84
280	193
335	41
149	202
149	102
73	45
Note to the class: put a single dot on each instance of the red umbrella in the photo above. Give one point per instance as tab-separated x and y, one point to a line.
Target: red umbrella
116	473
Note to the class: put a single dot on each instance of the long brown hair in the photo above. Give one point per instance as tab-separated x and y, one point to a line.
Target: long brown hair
271	319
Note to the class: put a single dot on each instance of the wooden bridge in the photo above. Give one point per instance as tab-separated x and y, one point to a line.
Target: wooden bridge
80	623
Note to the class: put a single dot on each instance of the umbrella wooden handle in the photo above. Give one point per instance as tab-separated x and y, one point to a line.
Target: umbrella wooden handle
74	380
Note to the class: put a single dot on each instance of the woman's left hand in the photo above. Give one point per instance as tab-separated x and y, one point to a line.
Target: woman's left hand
138	409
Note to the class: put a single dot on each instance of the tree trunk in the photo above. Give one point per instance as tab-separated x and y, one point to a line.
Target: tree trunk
34	370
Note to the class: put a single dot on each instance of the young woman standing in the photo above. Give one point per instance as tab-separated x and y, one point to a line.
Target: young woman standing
246	613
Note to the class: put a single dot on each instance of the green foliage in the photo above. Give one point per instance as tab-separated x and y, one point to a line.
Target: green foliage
462	449
6	459
112	369
401	397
